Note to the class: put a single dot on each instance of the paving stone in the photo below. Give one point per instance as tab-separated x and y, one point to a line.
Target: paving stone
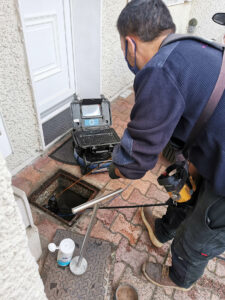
48	228
213	284
128	212
106	216
81	224
215	297
131	256
156	193
137	198
212	265
195	293
142	186
143	287
160	294
41	163
137	220
149	176
115	184
126	194
220	268
119	268
32	176
128	230
156	169
159	211
100	232
23	184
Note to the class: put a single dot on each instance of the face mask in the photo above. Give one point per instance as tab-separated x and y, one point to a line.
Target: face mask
133	69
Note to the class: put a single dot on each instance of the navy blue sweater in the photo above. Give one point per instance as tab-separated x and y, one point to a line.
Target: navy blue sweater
170	94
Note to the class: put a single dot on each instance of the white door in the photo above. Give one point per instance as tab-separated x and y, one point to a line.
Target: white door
48	41
5	147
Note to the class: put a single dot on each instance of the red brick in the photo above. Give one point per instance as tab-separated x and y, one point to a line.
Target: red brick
126	194
119	268
142	186
106	216
31	175
137	220
128	212
82	224
157	194
41	162
137	198
48	228
130	231
131	256
23	184
100	232
156	169
152	178
115	185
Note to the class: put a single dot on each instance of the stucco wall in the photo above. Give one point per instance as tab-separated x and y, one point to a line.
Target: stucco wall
203	11
16	101
19	277
180	14
115	74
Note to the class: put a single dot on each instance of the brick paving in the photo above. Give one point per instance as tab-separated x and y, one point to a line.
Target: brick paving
122	227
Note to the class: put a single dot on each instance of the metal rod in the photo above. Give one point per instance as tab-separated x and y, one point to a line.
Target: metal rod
94	201
83	247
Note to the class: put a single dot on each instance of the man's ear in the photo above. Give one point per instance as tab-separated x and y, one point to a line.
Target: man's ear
131	45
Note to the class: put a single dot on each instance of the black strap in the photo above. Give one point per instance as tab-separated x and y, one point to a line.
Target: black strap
217	92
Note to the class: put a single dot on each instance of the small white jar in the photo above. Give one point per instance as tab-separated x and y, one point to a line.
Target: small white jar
65	254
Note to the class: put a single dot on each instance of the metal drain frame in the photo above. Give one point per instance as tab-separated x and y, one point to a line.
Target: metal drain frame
33	197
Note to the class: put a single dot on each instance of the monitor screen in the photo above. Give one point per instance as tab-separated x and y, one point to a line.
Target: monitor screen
91	110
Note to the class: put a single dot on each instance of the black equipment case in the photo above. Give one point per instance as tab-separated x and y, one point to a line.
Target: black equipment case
93	137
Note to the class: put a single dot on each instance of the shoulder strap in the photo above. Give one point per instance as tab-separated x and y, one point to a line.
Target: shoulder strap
217	91
175	37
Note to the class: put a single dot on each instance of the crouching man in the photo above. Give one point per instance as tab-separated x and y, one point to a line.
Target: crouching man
172	86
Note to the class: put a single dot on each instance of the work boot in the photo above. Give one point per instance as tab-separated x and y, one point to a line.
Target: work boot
159	275
149	221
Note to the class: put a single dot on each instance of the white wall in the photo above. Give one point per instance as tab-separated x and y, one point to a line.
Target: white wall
203	10
87	46
180	14
115	74
20	279
16	101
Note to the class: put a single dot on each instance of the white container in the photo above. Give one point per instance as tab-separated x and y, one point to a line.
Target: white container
65	254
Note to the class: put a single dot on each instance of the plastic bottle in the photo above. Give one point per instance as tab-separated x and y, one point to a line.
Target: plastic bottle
65	253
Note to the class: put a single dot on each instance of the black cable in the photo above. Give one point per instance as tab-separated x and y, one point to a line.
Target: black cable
129	206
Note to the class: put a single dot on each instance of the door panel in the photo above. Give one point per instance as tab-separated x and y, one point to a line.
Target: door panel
47	31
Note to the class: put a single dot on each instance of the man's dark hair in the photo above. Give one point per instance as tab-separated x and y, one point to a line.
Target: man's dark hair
147	19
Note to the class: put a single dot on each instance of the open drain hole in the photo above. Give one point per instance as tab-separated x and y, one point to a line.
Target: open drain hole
49	196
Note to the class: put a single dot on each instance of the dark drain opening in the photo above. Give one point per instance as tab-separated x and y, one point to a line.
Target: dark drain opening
63	205
49	196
